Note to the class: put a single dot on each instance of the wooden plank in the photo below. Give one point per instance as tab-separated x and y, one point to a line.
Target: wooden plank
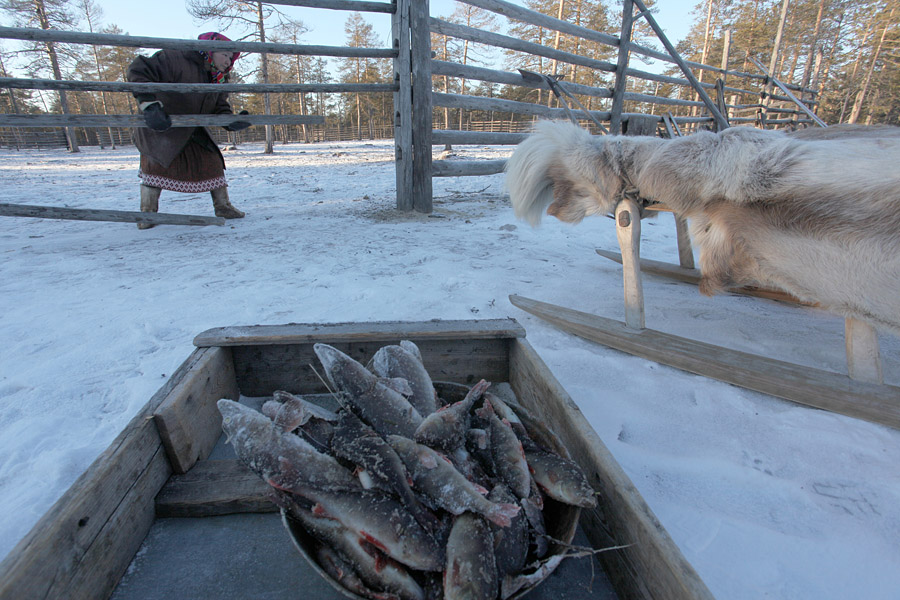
628	232
193	88
133	41
420	63
403	108
354	5
58	557
721	122
114	216
693	276
651	566
685	249
466	168
214	487
445	136
501	105
10	120
103	563
261	370
481	36
804	385
188	419
304	333
863	353
451	69
618	102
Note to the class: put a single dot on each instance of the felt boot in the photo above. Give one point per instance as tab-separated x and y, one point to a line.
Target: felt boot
223	206
149	202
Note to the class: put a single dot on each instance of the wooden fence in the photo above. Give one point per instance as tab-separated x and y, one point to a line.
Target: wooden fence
746	101
746	98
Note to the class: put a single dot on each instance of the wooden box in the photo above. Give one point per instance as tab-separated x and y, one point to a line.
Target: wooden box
86	541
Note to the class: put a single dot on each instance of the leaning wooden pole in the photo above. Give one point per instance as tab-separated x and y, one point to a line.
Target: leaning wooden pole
114	216
721	122
420	58
403	108
618	100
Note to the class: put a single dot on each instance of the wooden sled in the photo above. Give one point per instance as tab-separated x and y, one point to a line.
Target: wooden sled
689	275
804	385
163	464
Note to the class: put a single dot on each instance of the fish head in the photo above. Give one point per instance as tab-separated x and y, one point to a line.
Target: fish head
344	373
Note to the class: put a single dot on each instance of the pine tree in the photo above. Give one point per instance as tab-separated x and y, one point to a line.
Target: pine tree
46	14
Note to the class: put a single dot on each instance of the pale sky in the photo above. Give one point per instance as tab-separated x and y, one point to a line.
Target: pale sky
169	18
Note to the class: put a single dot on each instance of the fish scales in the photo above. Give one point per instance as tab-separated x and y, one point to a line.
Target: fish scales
382	520
510	543
284	460
386	410
405	361
435	477
446	428
373	567
561	479
358	443
471	571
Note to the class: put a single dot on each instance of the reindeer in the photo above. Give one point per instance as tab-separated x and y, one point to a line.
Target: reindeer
815	213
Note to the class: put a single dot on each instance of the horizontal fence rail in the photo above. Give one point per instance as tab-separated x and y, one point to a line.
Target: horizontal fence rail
235	88
128	41
7	120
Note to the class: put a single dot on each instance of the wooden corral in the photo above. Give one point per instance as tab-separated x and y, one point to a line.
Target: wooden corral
84	544
415	95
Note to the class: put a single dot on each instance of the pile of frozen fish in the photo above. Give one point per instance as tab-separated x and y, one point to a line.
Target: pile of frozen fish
406	496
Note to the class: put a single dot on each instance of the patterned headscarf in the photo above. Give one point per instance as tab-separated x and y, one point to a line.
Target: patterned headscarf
217	76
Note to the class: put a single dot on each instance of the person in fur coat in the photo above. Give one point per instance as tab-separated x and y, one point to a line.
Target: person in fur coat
183	159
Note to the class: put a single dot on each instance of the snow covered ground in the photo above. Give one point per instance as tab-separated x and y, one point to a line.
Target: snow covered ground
765	498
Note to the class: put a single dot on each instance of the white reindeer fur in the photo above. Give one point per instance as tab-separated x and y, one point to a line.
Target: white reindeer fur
815	213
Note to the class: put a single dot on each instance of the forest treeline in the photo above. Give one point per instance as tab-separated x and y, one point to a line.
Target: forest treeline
845	49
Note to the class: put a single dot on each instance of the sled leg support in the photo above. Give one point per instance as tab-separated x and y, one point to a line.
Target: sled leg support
628	232
863	353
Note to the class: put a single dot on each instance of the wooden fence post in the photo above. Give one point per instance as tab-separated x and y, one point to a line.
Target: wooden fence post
420	47
618	100
403	111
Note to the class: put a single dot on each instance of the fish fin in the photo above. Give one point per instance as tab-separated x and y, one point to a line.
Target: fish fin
502	514
398	384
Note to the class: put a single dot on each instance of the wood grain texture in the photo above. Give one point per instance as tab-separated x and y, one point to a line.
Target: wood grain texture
299	333
651	566
95	528
114	216
214	487
628	233
804	385
188	419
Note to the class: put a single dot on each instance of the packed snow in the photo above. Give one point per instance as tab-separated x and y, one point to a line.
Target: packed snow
764	497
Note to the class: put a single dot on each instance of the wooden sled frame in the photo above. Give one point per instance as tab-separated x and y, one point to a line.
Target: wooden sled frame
861	394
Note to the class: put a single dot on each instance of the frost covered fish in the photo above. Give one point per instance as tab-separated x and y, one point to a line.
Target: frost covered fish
471	573
284	460
405	361
373	567
510	543
290	412
384	522
507	454
340	569
379	405
561	479
446	428
444	486
358	443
